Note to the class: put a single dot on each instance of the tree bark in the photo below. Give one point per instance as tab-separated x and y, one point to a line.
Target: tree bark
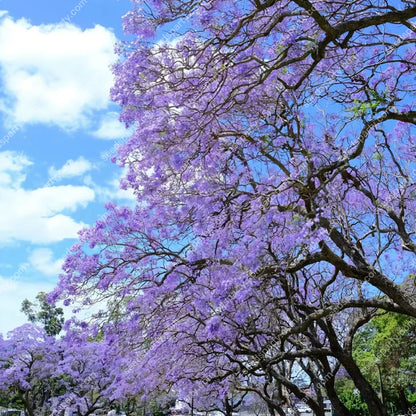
404	404
366	390
338	406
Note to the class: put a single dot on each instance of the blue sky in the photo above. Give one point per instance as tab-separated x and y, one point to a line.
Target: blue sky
58	130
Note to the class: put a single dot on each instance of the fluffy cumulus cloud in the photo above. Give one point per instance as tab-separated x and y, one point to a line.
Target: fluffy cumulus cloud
12	169
42	260
110	128
71	169
38	215
111	190
54	74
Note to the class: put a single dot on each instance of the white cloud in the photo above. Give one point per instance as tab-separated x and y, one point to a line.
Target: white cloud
54	74
111	191
12	167
36	216
71	168
12	293
110	128
42	259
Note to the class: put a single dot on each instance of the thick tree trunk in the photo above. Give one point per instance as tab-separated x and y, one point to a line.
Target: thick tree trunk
28	405
367	392
404	404
344	355
271	410
338	406
228	408
280	411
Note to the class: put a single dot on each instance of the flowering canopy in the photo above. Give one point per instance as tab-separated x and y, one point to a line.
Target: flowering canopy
28	361
273	163
49	374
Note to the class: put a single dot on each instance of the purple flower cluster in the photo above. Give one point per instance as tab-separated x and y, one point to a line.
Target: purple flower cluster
273	164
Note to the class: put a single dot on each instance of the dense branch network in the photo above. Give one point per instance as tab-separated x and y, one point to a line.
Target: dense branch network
273	163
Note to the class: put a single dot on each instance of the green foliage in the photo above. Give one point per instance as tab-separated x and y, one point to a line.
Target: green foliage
349	397
375	99
10	399
4	400
411	397
389	338
388	342
50	317
160	408
354	403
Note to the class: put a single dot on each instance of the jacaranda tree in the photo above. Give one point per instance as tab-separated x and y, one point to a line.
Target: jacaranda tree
49	375
89	374
28	361
273	160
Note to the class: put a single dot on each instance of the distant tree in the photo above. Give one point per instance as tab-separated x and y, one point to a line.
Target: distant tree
90	375
28	359
42	374
41	312
388	341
